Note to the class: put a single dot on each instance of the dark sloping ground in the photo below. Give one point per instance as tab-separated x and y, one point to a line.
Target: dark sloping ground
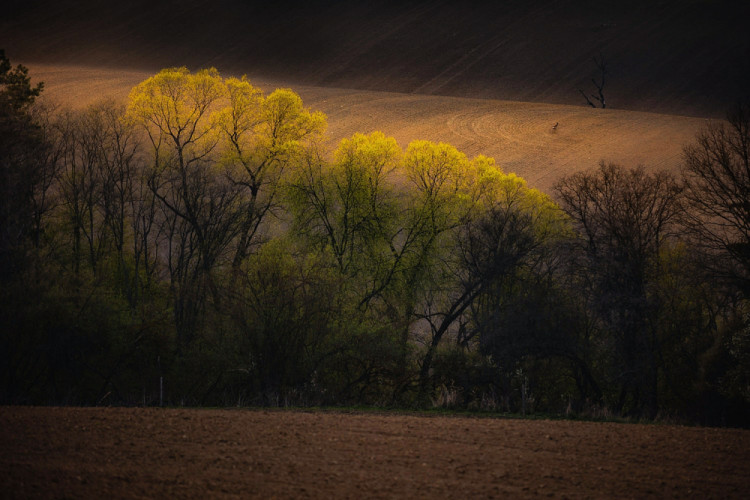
673	56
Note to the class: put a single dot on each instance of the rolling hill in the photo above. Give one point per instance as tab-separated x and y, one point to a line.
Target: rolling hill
489	77
688	57
520	136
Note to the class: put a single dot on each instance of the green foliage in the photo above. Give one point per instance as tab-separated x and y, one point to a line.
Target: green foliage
349	205
283	313
204	240
76	341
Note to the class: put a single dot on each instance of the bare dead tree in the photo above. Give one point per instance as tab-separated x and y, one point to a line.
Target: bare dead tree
598	96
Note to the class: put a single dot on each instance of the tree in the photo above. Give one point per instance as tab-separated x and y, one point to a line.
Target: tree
178	111
350	210
16	94
500	238
624	219
109	210
527	316
261	137
385	217
716	173
24	183
285	310
127	206
65	338
598	96
81	183
27	167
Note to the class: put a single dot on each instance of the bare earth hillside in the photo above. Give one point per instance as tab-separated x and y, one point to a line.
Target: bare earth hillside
177	453
520	136
687	57
490	78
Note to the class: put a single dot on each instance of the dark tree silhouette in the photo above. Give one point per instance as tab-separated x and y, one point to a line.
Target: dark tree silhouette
624	218
492	248
598	96
717	177
23	164
16	92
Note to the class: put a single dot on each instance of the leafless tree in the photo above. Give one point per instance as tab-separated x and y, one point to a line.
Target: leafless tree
199	220
491	249
717	177
81	187
625	218
598	96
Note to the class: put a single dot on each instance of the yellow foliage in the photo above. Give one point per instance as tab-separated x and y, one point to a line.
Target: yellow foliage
189	114
243	112
437	170
264	133
287	120
259	135
176	103
373	156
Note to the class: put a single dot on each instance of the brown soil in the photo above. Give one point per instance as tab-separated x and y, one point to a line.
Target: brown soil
167	453
520	136
671	56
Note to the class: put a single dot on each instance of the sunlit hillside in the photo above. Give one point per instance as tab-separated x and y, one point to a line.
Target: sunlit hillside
490	77
520	136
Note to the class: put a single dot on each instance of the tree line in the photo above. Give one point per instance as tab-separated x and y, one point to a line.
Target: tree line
204	235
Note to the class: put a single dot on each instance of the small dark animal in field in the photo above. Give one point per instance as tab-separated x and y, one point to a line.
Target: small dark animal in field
554	127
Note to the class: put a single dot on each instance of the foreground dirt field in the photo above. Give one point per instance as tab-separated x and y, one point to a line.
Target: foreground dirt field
168	453
520	136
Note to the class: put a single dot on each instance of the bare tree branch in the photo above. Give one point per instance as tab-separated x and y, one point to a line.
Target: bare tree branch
598	96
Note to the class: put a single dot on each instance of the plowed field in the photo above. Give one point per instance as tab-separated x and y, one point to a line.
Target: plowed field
522	137
178	453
